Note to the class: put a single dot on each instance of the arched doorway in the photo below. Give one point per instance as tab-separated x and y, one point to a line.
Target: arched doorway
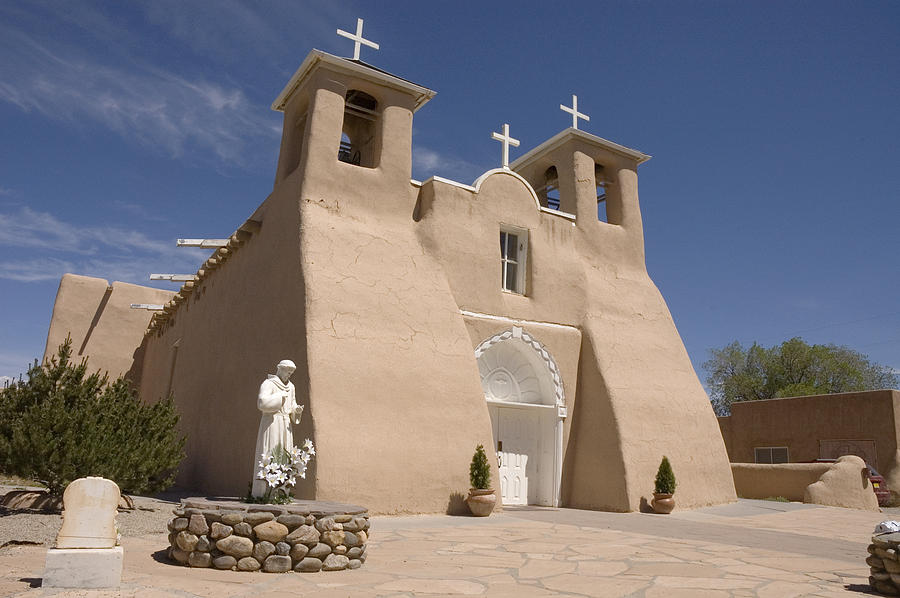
526	402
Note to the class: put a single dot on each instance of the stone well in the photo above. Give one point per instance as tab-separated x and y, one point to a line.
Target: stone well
305	536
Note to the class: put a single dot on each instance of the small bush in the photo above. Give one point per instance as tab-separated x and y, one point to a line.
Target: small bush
776	499
480	470
62	424
665	478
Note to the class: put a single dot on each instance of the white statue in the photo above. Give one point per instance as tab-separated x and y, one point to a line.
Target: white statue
278	404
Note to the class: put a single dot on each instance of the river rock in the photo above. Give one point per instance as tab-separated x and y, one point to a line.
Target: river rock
319	551
291	521
179	555
282	548
220	530
197	525
248	564
261	550
186	541
354	564
308	565
271	531
874	561
333	538
203	544
236	546
335	562
351	539
305	534
277	564
298	552
232	518
354	553
328	524
179	524
243	529
255	519
224	562
199	559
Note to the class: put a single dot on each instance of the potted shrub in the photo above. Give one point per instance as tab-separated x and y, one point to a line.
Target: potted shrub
481	499
665	487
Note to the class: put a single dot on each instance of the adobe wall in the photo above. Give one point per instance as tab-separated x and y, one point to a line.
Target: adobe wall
789	480
243	316
800	423
101	322
393	383
841	484
637	390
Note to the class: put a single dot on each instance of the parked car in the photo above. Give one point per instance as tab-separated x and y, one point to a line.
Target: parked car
882	492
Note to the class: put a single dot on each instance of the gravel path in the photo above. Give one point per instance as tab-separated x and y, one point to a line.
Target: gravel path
149	516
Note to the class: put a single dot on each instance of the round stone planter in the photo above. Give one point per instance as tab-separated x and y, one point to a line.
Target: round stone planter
662	503
481	502
304	536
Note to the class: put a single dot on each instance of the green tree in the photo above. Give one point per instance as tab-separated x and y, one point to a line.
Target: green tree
62	423
793	368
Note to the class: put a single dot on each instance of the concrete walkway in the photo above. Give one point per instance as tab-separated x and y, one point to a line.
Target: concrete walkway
751	548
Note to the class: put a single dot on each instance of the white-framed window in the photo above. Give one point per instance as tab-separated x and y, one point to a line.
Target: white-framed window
513	253
771	454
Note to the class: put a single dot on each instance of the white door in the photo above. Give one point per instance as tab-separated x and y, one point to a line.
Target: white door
517	440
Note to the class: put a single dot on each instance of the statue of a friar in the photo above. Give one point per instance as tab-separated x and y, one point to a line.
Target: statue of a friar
279	407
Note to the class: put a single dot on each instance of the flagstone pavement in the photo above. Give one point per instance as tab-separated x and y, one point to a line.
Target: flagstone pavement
750	548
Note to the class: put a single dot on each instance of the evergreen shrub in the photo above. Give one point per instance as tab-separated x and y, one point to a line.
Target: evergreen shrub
480	470
665	478
62	424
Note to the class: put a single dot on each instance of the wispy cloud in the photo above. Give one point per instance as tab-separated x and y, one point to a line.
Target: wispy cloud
14	364
136	210
427	162
108	252
234	27
150	105
5	191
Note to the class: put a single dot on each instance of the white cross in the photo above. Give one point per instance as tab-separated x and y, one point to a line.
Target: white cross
574	112
507	141
358	39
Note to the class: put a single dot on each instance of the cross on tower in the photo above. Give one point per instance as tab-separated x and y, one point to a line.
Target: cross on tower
507	141
574	112
358	39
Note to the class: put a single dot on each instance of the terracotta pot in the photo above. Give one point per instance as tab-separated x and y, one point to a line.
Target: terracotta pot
662	503
481	502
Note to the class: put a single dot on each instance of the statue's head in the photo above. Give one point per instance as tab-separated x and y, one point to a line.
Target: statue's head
284	369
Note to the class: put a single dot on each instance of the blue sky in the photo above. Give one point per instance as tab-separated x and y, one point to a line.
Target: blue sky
770	206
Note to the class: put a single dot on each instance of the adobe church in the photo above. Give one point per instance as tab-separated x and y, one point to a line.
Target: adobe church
425	318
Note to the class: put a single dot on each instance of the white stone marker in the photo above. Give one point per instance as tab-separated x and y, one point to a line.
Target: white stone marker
87	554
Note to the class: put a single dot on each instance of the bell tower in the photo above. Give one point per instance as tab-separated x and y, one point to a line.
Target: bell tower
348	130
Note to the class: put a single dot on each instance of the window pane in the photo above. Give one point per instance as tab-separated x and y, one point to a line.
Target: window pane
512	247
780	455
502	243
511	278
763	455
